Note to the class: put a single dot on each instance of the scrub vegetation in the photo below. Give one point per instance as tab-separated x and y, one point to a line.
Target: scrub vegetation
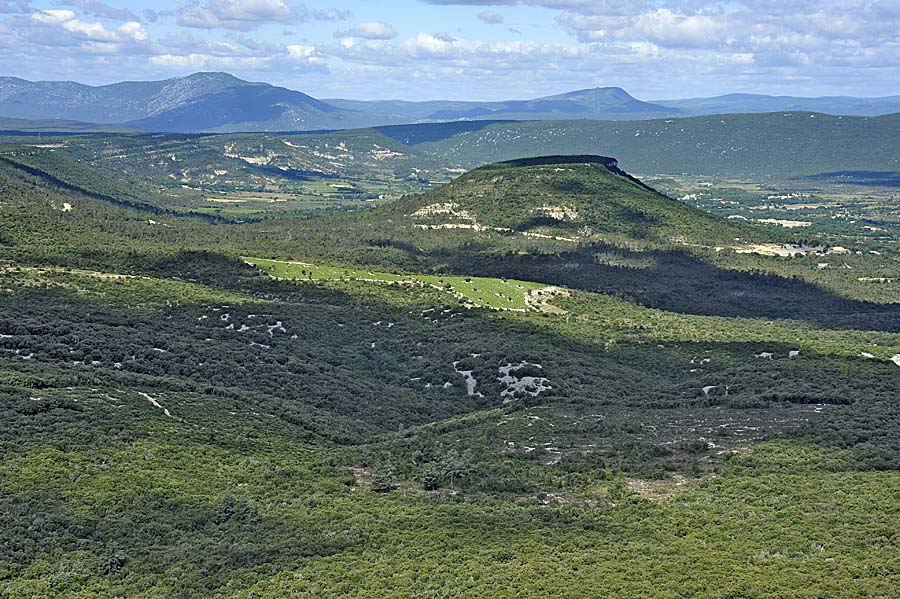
543	378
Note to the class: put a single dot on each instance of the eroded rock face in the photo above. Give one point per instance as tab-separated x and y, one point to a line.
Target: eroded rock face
471	381
531	385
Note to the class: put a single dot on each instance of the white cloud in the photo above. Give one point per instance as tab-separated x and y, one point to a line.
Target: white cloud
372	30
656	48
236	14
425	48
135	30
207	61
96	8
301	52
66	20
490	17
53	17
667	27
245	15
184	43
305	55
424	44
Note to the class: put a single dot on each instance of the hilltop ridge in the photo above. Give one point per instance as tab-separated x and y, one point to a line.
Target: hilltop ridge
580	197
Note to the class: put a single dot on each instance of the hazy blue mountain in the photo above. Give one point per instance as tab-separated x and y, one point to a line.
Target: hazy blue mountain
605	103
255	107
115	103
742	103
198	102
220	102
613	103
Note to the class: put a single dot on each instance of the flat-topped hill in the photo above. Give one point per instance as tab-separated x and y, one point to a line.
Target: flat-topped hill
579	197
551	160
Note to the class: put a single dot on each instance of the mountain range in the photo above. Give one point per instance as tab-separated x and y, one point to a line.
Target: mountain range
220	102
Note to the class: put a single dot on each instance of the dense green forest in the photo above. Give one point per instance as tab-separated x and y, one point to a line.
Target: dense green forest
541	379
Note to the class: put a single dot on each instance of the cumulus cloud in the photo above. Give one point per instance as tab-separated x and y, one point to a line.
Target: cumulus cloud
652	46
308	58
235	14
372	30
96	8
185	43
789	26
817	34
441	48
66	22
184	51
586	6
490	17
473	2
666	27
207	61
112	49
244	15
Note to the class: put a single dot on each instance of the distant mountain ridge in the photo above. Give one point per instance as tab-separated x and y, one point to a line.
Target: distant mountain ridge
603	103
758	103
114	103
202	102
221	103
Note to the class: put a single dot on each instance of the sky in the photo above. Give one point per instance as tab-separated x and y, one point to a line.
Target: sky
467	49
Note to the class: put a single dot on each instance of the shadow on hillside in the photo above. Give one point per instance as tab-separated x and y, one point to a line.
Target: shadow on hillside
411	135
862	178
679	282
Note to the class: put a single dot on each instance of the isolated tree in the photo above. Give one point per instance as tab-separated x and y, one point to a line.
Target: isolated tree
431	478
456	466
383	479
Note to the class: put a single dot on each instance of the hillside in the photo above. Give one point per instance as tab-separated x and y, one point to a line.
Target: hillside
760	146
582	223
499	215
55	126
195	171
587	198
186	418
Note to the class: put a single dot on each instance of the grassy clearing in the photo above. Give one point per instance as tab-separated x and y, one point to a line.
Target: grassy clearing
114	288
499	294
